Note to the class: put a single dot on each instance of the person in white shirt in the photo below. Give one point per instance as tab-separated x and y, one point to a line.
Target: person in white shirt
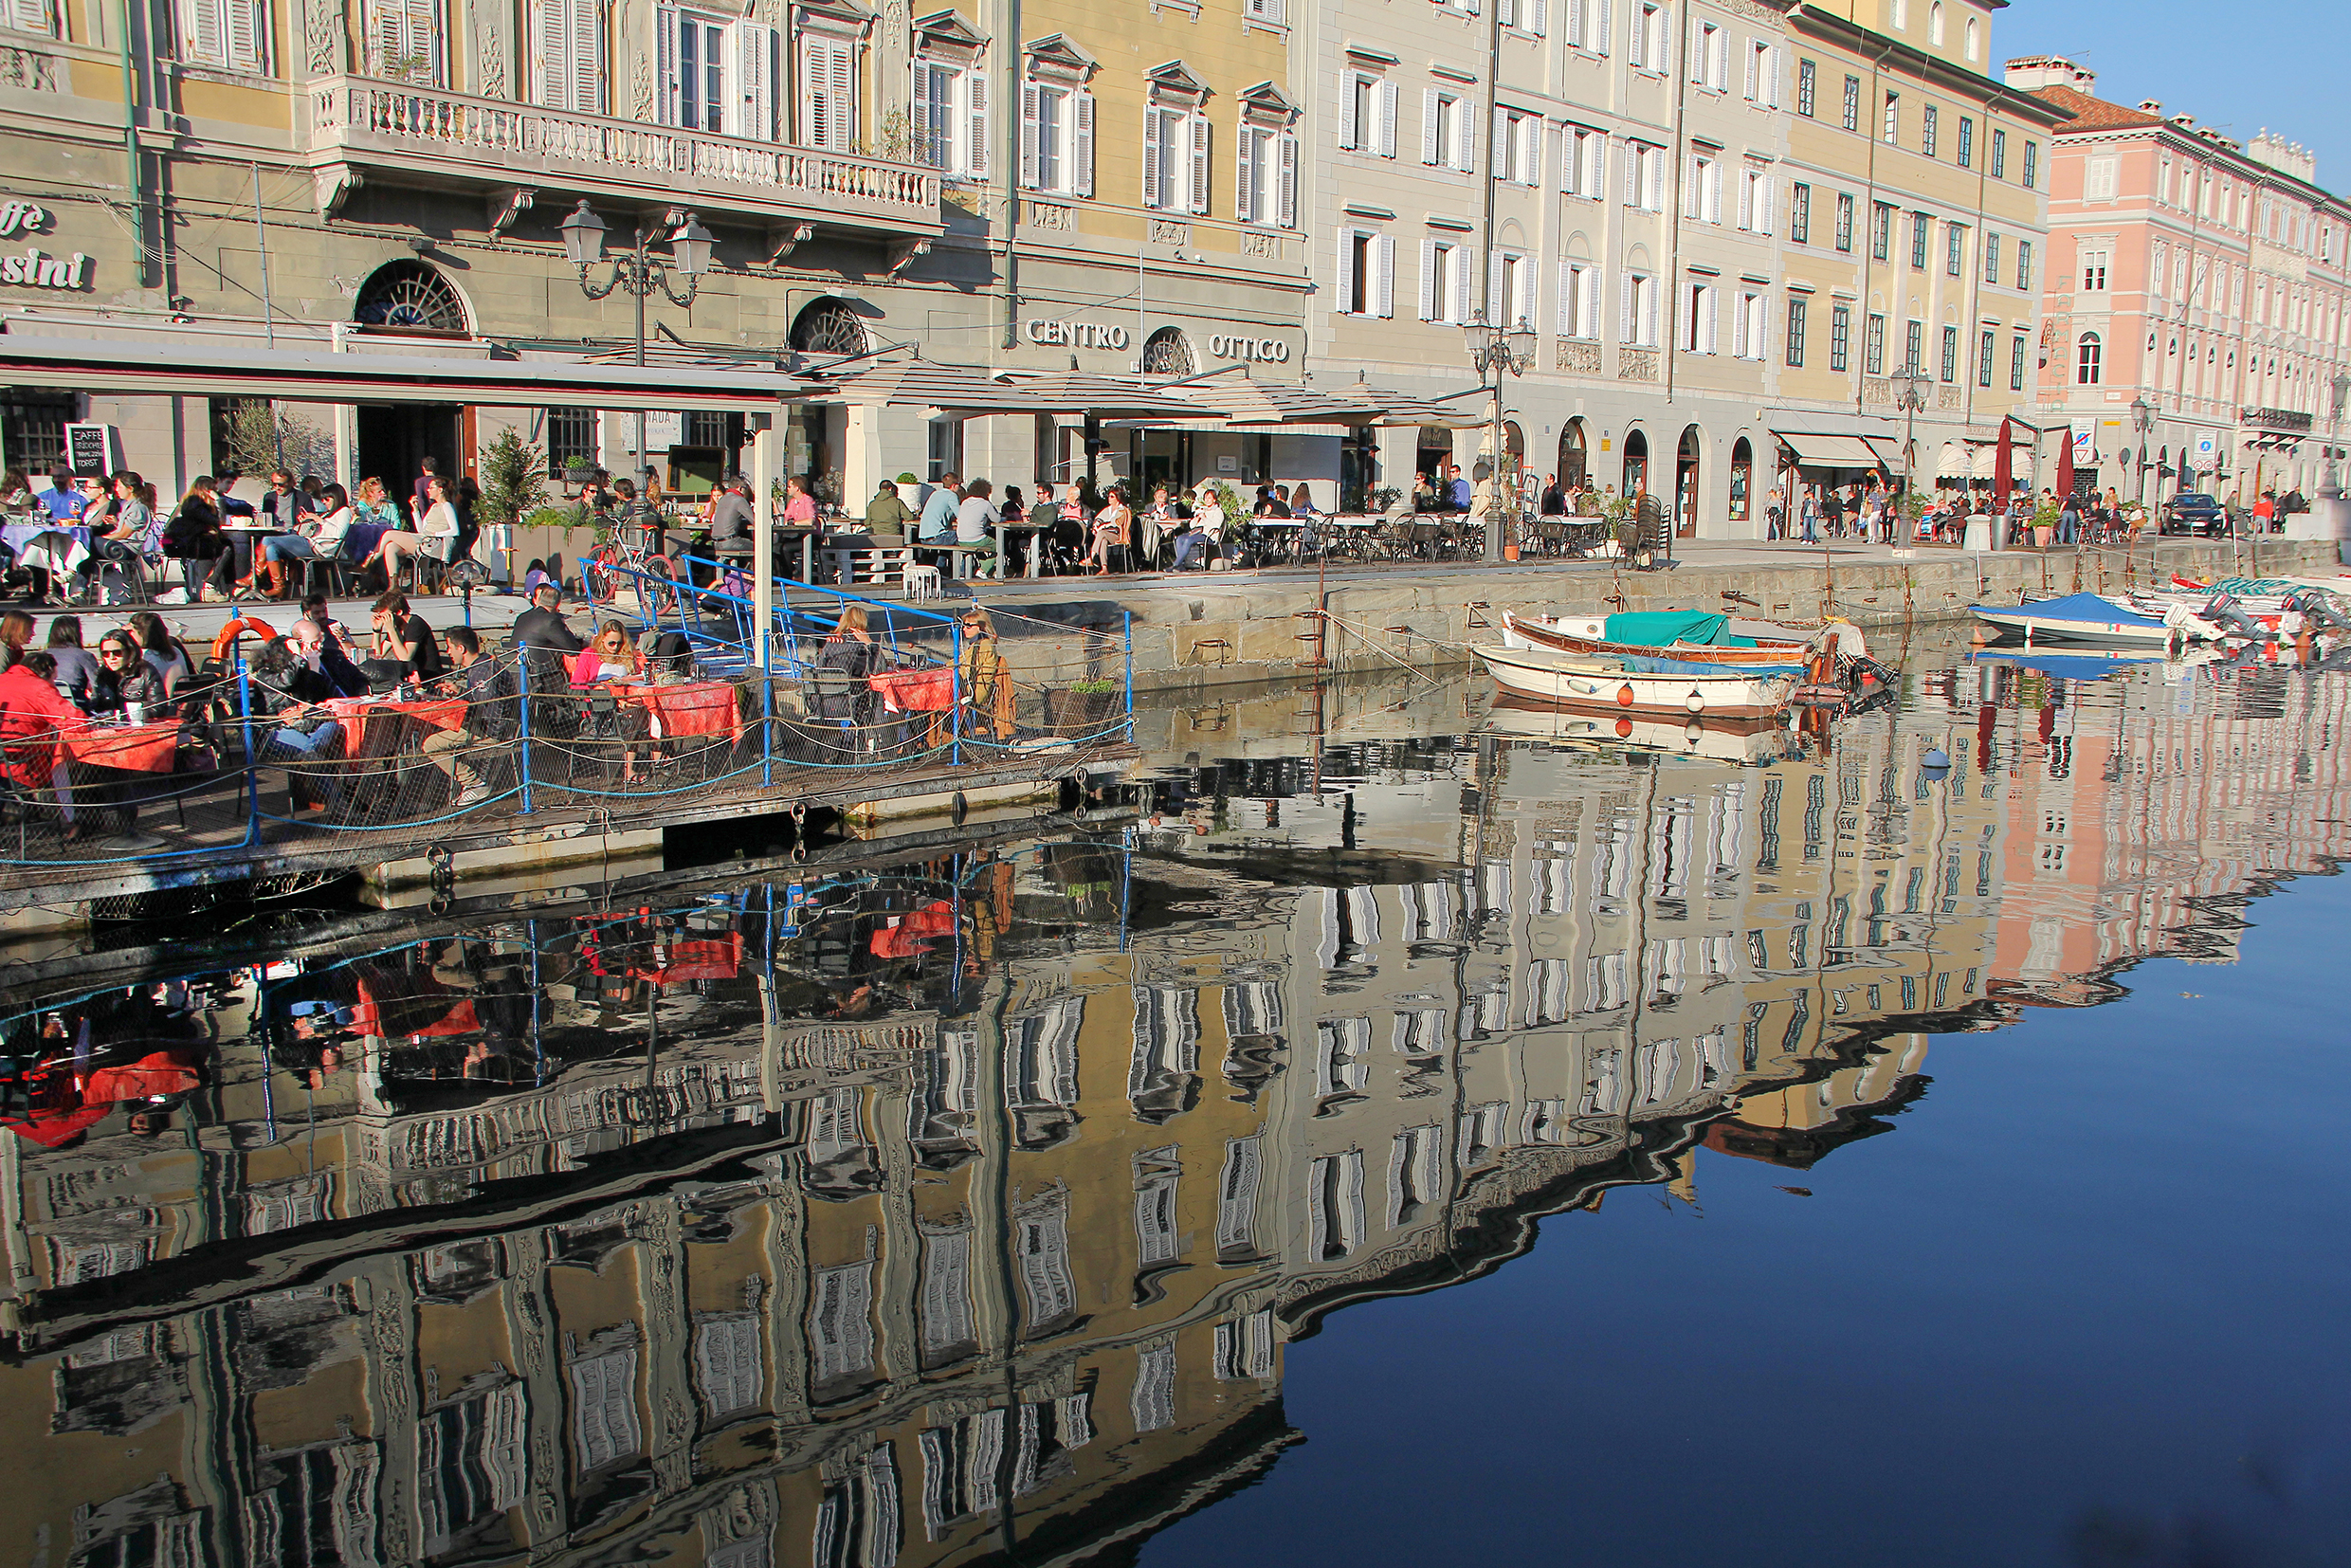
1208	527
974	519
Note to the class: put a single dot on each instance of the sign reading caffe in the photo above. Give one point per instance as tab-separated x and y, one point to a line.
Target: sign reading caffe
35	267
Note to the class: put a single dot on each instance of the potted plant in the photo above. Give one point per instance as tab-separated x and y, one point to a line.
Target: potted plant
2045	521
1083	707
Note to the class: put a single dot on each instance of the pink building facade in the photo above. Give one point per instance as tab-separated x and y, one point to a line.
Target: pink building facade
2197	323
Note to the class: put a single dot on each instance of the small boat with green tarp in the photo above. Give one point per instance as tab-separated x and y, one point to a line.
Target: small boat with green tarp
1695	636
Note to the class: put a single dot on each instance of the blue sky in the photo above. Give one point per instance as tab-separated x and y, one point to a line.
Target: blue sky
2272	68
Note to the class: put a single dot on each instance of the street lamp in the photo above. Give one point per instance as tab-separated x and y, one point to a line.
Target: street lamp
2142	421
1495	350
1910	389
2341	388
638	270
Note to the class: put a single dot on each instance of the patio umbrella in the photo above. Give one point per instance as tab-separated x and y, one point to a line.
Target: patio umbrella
2064	466
2003	467
958	390
1098	396
1245	400
1402	408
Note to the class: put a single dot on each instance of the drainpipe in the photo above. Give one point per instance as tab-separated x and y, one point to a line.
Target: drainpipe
1680	66
1011	114
1873	126
130	149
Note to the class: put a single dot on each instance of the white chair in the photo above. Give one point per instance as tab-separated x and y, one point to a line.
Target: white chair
921	582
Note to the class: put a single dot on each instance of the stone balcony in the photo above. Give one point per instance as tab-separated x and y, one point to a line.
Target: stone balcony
357	129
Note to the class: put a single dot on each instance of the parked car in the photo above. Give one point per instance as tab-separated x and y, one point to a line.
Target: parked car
2193	512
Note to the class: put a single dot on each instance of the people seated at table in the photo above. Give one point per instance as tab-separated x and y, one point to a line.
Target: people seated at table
488	688
127	683
542	626
16	628
733	522
374	505
611	656
316	645
1206	528
77	671
1272	502
404	648
974	530
33	712
849	648
318	536
1158	524
985	684
163	651
194	538
63	499
284	701
438	534
132	537
1112	525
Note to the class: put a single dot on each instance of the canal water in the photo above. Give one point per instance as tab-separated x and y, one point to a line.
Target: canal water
1415	1130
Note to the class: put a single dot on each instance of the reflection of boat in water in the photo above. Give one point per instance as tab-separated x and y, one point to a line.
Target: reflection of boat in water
1741	741
2090	666
2076	618
1624	683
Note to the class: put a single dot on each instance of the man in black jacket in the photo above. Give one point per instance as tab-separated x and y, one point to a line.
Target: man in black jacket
542	625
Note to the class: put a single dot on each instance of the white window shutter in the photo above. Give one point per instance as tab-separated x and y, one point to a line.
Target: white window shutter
750	107
1462	279
1567	160
245	31
1466	135
1345	304
1771	69
1201	133
1564	322
1746	201
1605	24
1762	335
1714	194
1708	322
1081	171
1596	169
666	70
1029	136
32	16
1501	145
976	109
1387	119
1738	332
1539	24
1625	322
1766	213
1693	192
841	83
1496	309
1244	179
1288	215
200	31
1350	132
1754	85
1385	304
1154	127
1633	175
1429	109
919	112
1427	280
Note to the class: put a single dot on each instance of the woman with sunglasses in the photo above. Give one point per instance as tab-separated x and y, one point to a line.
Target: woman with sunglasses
612	655
125	679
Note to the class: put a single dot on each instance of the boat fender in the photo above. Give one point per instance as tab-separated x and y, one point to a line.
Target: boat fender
1624	695
1623	727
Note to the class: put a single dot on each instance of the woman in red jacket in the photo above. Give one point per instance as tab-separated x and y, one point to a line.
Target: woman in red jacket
33	712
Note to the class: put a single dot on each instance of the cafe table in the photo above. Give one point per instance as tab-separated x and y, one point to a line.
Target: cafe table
694	707
152	748
359	716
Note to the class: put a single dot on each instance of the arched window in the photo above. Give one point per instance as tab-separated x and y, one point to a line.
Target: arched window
2086	360
1934	24
410	297
829	326
1974	43
1167	352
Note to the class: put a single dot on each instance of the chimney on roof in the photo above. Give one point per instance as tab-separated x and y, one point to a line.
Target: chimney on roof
2150	107
2049	70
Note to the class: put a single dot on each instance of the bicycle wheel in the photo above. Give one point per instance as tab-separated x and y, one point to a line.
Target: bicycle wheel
593	576
657	601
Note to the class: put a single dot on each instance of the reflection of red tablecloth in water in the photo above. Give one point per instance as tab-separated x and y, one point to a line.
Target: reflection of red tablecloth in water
916	690
72	1106
911	934
698	959
134	748
394	1017
357	713
697	707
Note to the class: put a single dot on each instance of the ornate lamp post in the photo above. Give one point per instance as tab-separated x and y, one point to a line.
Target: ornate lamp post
1497	351
1910	389
638	270
2340	389
2142	421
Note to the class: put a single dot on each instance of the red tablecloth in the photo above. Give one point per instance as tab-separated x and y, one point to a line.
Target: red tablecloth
430	1011
355	713
916	690
134	748
697	959
697	707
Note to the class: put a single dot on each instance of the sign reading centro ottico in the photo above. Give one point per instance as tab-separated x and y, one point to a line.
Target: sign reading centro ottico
1110	334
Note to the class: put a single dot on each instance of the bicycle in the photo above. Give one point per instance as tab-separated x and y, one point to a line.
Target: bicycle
624	557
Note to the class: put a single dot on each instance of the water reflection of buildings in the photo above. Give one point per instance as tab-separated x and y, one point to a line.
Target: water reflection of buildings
975	1227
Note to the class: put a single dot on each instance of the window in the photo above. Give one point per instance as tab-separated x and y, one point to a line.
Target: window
1934	24
1762	74
1889	130
1807	84
34	16
951	117
2087	355
1445	138
1444	281
1518	147
1366	273
2032	164
1840	337
1973	43
1983	356
1929	122
1636	322
567	45
1902	15
1853	103
1510	284
1799	214
2024	264
1645	175
404	41
1950	354
2099	176
1955	251
1881	229
1703	201
1646	50
571	438
1799	308
1271	13
2017	363
1967	142
1057	140
1749	338
1755	201
2094	271
1369	125
1999	153
1265	181
1697	317
1921	228
1579	300
230	33
828	91
1709	61
1845	222
1583	161
1532	17
1914	347
1176	153
1991	258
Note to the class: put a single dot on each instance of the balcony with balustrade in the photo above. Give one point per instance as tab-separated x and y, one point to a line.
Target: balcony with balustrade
366	130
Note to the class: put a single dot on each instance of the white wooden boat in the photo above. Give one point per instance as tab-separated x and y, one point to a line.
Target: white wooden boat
1776	642
1741	741
1637	685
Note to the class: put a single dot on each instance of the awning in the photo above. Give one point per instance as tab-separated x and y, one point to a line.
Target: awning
1830	451
956	391
1104	396
1403	411
1247	401
163	367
